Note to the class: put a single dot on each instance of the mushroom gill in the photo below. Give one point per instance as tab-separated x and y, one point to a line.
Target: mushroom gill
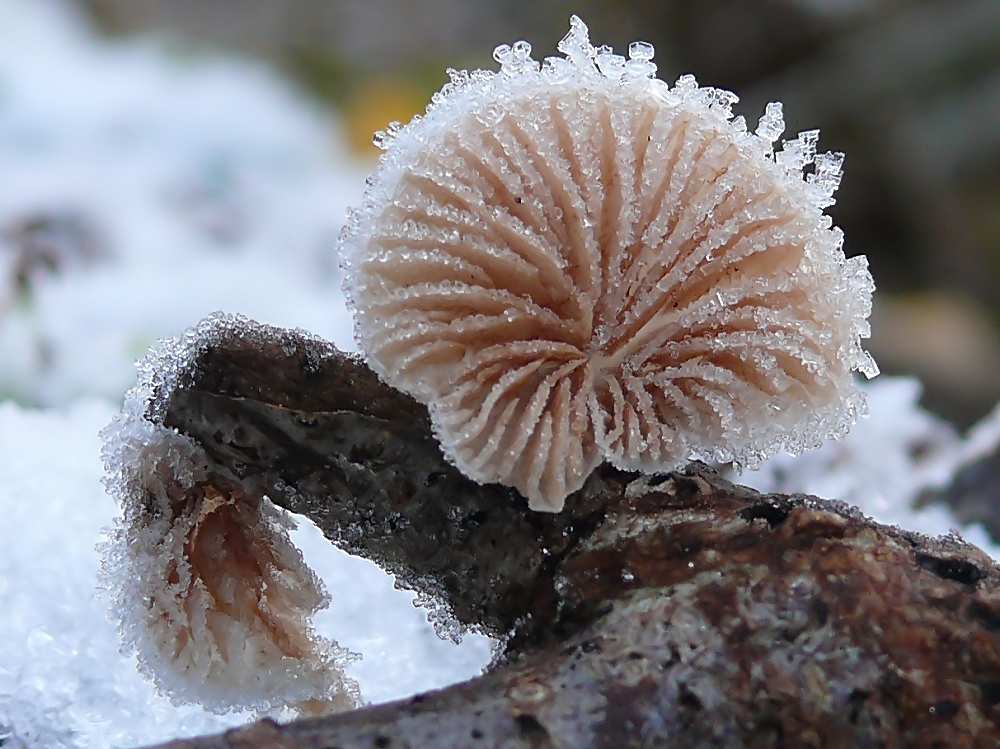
572	262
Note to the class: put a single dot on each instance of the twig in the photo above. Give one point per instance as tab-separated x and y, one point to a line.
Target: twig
674	611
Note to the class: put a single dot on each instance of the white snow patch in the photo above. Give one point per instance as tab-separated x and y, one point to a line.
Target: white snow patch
886	461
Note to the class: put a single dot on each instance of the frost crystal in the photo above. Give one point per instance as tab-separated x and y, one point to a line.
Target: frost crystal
573	262
211	594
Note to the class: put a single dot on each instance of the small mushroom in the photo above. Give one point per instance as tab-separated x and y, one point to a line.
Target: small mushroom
209	591
572	262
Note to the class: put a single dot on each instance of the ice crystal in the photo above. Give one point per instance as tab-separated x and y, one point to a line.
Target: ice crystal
573	262
210	592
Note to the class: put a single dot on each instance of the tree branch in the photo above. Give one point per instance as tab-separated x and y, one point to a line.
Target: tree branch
677	610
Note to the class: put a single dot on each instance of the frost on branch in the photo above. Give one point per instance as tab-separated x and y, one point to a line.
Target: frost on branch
572	262
209	591
675	610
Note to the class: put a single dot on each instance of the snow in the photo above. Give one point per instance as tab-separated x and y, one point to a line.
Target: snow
207	183
887	461
881	465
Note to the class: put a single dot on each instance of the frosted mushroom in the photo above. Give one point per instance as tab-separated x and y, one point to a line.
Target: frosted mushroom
572	262
210	593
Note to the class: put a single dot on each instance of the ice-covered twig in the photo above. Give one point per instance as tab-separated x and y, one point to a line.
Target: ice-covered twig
673	608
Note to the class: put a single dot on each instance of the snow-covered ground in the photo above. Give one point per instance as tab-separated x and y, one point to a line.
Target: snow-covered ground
165	186
886	461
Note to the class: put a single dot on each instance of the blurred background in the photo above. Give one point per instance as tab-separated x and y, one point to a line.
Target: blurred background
909	89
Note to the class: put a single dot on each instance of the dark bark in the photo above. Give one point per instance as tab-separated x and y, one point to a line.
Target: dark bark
677	610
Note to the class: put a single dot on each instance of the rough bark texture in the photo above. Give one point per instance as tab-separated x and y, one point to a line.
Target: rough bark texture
677	610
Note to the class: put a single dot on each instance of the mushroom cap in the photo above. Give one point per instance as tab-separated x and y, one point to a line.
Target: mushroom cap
572	262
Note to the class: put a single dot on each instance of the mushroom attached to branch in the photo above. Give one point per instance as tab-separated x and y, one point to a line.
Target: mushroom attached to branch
572	262
674	610
568	263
